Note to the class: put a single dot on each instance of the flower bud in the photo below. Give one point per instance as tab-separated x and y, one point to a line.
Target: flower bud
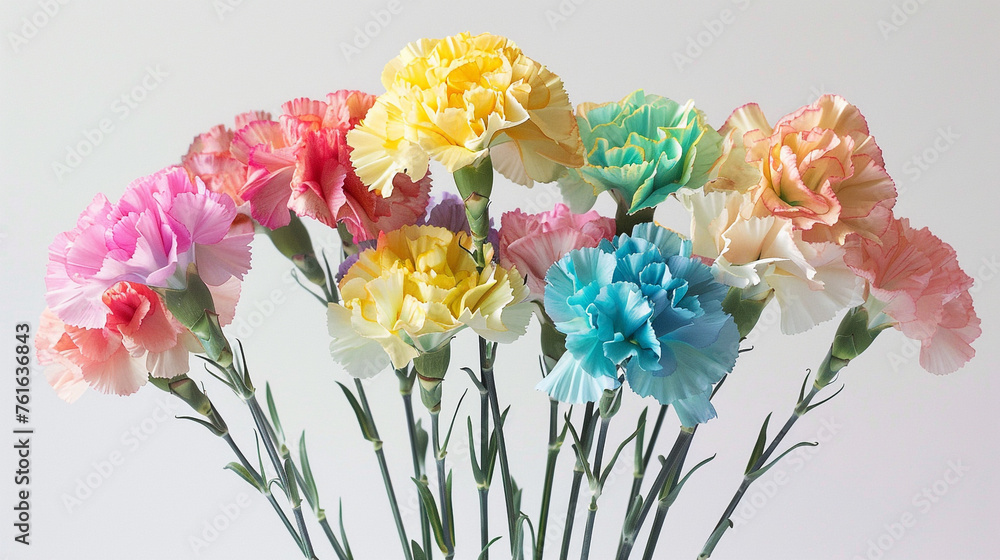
194	307
184	388
431	368
294	243
745	311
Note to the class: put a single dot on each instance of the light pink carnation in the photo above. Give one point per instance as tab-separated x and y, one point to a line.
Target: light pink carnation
925	292
303	163
139	338
533	242
162	224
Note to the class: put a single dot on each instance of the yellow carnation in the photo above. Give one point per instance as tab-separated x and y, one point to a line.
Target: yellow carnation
413	292
460	99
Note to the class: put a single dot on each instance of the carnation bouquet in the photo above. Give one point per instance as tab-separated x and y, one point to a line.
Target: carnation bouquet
795	213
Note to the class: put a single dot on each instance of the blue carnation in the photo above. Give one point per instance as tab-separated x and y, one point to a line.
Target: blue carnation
641	304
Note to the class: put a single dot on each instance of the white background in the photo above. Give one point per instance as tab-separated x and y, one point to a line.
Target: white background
926	81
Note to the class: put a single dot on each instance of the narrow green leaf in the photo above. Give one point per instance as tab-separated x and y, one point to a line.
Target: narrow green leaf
713	540
418	553
475	381
208	425
757	473
758	448
309	483
518	491
260	461
273	410
245	475
677	489
343	533
824	401
632	516
494	447
805	381
450	508
366	429
427	498
519	536
614	458
293	488
477	472
423	441
640	441
581	458
447	438
485	552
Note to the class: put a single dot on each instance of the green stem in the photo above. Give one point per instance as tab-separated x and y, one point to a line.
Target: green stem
588	533
624	222
484	454
264	427
486	360
442	485
574	492
332	537
679	449
663	505
550	471
384	468
270	497
425	526
800	408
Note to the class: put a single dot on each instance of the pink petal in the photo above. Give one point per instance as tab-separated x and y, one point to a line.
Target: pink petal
226	259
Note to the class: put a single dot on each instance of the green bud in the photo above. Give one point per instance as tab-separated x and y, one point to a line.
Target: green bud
475	184
406	377
745	311
346	240
194	307
184	388
294	243
853	337
431	368
553	343
610	403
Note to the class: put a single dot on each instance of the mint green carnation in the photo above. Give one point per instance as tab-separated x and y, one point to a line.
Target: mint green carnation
642	149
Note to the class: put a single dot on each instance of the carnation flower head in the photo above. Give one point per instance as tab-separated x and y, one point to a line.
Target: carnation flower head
459	100
302	163
640	303
642	149
413	292
765	255
915	281
162	225
533	242
139	338
819	167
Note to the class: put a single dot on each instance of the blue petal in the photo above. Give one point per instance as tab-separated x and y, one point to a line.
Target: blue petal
569	382
696	409
669	242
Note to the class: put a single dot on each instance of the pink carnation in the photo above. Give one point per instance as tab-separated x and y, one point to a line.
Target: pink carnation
303	163
162	225
533	242
210	159
917	277
139	338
